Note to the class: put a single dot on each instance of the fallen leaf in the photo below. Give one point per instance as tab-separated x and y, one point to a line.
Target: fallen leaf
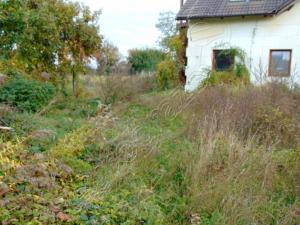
63	217
55	209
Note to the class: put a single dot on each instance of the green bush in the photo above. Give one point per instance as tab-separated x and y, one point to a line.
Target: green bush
166	74
145	60
26	95
233	77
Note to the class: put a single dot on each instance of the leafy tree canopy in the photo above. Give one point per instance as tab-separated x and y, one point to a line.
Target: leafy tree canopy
109	58
47	35
166	24
172	42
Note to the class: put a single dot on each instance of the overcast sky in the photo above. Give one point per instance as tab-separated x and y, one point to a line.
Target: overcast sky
131	23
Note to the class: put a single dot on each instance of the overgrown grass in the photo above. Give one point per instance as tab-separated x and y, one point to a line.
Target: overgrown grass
222	155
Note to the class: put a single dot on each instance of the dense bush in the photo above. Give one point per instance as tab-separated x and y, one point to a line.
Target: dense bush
231	77
145	60
166	74
26	95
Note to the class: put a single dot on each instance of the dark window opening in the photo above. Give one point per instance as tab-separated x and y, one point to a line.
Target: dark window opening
280	63
222	60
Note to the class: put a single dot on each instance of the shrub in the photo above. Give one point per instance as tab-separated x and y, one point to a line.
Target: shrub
26	95
232	77
145	60
114	88
273	126
166	74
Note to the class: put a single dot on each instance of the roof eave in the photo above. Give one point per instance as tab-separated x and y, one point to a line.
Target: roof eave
223	16
282	8
288	5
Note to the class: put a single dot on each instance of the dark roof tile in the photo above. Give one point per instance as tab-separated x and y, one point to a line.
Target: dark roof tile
193	9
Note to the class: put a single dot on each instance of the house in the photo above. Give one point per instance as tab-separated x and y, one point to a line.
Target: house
268	32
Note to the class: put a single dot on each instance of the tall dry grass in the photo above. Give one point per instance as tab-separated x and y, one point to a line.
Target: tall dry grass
270	114
114	88
233	157
243	166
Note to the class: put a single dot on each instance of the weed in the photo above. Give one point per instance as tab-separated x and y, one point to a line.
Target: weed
219	156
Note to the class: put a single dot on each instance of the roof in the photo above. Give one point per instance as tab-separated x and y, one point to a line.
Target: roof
197	9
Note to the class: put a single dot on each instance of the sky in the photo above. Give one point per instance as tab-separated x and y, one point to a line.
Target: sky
131	23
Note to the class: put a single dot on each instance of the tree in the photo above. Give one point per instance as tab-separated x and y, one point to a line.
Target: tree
173	42
167	26
169	40
56	36
145	60
109	58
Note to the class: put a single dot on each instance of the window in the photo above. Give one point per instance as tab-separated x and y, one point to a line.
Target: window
280	63
222	60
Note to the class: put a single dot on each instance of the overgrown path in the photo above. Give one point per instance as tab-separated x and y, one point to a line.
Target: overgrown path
83	171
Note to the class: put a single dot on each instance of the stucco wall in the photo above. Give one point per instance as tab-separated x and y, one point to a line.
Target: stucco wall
255	35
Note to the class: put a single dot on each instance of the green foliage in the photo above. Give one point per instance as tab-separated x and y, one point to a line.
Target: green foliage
161	158
145	60
26	95
47	35
118	208
237	75
226	77
210	219
172	42
166	74
175	46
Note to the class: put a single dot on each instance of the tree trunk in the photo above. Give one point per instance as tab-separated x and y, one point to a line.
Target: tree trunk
74	81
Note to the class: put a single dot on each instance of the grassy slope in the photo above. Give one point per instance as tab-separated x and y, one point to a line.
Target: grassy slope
140	167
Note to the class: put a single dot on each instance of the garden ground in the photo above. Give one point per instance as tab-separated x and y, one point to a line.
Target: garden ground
124	152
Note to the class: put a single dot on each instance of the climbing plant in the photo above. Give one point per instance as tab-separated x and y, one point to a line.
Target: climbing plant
237	74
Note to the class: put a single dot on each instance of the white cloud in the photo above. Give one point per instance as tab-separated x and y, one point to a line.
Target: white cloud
131	23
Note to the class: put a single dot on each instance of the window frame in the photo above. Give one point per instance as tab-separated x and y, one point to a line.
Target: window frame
270	73
214	59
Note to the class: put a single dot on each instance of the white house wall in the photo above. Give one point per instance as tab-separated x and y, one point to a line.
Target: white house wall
255	35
